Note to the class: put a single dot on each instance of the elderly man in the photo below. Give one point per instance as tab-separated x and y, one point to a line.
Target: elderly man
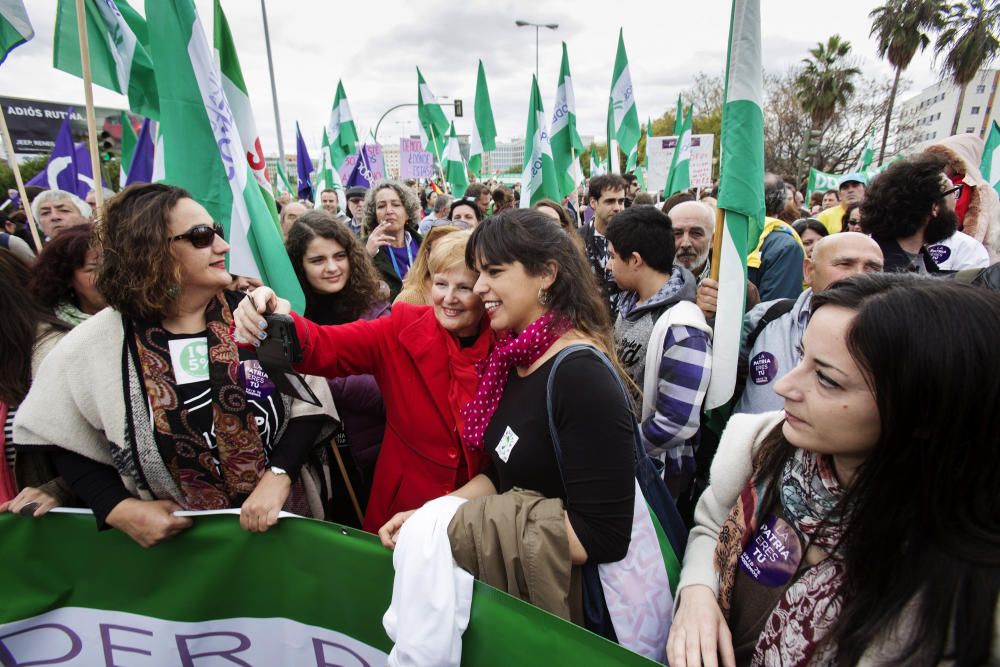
56	210
694	225
289	214
355	204
773	330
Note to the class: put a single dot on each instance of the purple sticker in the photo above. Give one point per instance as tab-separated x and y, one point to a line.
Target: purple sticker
763	368
256	383
773	555
939	253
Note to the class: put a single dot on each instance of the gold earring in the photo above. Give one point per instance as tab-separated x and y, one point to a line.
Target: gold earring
543	296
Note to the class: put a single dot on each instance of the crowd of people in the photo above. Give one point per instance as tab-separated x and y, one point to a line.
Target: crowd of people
522	364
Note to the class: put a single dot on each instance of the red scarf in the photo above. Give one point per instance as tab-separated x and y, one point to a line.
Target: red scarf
521	350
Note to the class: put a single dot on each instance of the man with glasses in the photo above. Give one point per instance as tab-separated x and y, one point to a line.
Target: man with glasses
959	251
910	206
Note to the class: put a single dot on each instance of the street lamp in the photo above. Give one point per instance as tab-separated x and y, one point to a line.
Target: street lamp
536	26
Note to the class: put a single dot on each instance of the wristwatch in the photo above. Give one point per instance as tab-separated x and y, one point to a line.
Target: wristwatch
275	470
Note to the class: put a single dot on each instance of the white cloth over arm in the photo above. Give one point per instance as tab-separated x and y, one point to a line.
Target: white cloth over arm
431	595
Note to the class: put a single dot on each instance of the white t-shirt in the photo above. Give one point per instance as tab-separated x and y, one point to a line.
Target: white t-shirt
959	251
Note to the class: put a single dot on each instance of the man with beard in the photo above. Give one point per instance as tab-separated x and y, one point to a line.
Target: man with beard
908	206
694	225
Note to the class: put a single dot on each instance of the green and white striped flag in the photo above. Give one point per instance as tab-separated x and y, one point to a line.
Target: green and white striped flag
566	142
239	103
281	184
741	191
990	166
341	130
433	123
326	176
204	155
538	179
596	166
128	149
15	28
626	118
632	160
454	166
119	59
484	131
679	176
867	153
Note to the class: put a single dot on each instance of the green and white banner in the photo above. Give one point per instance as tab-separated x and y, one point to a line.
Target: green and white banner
483	138
538	176
341	130
304	593
990	166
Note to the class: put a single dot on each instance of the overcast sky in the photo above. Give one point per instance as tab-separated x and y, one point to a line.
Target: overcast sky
374	47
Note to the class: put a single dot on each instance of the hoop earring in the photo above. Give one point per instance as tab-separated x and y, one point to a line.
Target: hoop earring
544	297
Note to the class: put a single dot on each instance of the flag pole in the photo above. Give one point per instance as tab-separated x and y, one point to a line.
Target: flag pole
12	161
274	90
95	167
717	244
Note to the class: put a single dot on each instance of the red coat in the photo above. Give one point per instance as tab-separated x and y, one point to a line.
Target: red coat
425	377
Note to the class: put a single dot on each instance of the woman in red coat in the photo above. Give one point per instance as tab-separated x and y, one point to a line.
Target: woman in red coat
424	361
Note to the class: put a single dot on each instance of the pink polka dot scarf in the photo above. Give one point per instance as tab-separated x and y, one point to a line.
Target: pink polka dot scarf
522	350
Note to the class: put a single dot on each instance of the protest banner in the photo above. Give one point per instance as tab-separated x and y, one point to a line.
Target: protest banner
660	152
304	593
375	158
414	161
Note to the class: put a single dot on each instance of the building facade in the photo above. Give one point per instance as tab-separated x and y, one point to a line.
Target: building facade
929	115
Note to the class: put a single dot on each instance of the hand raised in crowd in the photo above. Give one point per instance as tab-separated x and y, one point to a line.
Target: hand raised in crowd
148	522
389	533
708	297
699	634
378	238
250	324
30	502
260	511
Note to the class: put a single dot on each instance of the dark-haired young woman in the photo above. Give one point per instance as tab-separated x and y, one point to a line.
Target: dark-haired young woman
861	526
64	275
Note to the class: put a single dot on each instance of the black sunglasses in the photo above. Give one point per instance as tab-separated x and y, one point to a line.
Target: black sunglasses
201	236
957	191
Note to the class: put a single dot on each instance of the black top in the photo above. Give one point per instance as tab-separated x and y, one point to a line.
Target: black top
593	420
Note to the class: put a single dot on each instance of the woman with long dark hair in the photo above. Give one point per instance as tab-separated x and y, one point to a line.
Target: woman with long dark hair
862	524
64	275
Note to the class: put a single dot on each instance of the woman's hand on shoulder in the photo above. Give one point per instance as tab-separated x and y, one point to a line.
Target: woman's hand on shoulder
249	315
260	511
389	533
699	634
30	502
148	522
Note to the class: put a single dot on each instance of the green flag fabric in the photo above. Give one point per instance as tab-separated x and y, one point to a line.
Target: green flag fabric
119	58
303	593
626	118
341	129
128	148
326	176
538	178
867	153
454	166
484	131
679	176
596	166
990	166
15	28
239	104
741	191
566	142
433	123
203	154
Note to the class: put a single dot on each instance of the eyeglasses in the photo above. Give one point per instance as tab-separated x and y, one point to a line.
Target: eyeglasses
201	236
957	191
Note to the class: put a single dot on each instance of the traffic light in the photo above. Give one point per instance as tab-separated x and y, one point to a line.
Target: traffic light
107	145
458	108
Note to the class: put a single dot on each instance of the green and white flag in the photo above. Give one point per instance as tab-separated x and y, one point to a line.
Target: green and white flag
454	166
566	142
341	130
119	57
202	151
326	176
679	176
15	28
281	184
867	153
484	131
128	149
433	123
990	166
538	179
741	191
239	103
632	160
626	118
596	166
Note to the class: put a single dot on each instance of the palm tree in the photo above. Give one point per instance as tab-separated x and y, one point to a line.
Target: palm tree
969	41
899	27
826	83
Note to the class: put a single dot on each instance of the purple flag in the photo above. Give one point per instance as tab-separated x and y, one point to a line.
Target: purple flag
141	169
361	175
84	172
304	165
61	171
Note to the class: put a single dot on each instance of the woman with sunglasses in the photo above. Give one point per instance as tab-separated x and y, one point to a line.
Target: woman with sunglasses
150	407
